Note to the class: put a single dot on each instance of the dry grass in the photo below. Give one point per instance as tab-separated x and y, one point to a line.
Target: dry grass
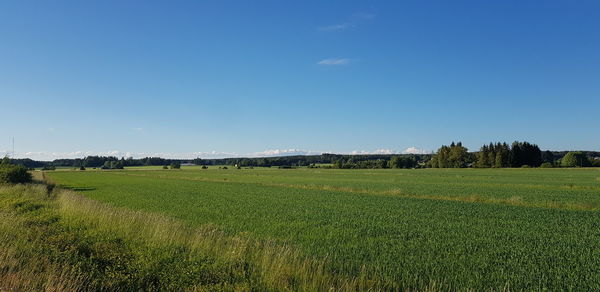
266	265
279	267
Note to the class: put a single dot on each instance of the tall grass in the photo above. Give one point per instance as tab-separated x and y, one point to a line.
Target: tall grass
24	265
276	266
63	241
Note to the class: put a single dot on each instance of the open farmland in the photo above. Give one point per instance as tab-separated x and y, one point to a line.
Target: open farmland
515	228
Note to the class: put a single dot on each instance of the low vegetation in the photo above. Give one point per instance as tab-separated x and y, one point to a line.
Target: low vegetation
63	241
13	174
438	229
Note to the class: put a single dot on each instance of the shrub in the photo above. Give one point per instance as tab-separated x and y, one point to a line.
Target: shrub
165	167
116	165
546	165
14	174
82	168
49	167
175	165
204	167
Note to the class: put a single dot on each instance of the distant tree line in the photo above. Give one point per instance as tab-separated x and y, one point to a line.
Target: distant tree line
392	161
518	154
455	155
335	160
112	162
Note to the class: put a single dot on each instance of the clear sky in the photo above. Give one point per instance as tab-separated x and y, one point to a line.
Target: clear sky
229	78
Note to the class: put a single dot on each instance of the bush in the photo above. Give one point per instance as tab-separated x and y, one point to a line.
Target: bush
165	167
175	165
81	168
546	165
116	165
112	165
204	167
49	167
14	174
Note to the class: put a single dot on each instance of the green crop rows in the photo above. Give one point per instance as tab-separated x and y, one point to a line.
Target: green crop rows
490	228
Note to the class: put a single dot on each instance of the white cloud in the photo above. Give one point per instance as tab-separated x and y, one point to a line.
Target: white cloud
336	27
214	154
378	151
45	155
414	150
334	61
284	152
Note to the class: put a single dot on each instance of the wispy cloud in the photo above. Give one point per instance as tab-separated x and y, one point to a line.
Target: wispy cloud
363	16
353	21
334	61
138	129
214	154
336	27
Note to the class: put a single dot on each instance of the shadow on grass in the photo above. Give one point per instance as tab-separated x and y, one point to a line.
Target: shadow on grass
78	189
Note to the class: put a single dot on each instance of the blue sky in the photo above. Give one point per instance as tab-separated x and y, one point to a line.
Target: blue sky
237	78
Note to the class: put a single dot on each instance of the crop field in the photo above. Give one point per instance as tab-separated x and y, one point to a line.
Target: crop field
479	229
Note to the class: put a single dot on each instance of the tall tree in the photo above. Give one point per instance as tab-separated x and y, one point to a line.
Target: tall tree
483	157
453	156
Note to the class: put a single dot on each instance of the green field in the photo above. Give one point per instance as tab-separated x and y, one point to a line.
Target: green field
451	229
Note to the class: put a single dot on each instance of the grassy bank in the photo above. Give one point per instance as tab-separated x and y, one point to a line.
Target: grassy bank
62	241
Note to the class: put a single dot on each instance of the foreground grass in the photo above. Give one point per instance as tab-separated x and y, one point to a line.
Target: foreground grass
460	229
62	241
